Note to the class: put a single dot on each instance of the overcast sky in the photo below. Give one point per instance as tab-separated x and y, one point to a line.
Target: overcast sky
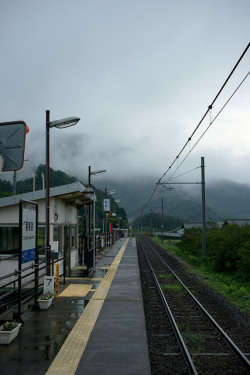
140	74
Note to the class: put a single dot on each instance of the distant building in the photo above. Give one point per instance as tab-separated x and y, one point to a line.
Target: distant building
198	225
239	222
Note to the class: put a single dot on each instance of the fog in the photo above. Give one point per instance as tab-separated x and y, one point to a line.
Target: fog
139	74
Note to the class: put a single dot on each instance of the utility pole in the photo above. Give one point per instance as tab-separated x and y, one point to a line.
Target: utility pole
89	212
105	221
162	220
203	209
202	183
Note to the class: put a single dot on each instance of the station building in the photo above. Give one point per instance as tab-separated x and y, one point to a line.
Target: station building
65	202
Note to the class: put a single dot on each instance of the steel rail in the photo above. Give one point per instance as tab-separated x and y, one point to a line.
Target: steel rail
235	348
185	353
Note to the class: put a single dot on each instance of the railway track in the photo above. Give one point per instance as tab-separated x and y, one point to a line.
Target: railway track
183	337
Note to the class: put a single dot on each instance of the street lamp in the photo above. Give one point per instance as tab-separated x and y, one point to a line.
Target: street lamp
60	124
110	192
93	173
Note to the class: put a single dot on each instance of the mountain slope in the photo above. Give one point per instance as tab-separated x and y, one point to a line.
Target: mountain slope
224	199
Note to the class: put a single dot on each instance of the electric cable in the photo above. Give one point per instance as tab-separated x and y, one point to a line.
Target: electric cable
207	111
211	122
184	173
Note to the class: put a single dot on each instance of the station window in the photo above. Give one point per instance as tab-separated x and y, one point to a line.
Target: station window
41	238
9	243
57	236
9	239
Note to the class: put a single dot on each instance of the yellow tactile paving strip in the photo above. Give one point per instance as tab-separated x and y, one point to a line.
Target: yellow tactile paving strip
85	278
67	359
76	290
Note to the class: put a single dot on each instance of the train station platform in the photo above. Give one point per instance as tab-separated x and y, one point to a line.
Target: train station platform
95	326
110	335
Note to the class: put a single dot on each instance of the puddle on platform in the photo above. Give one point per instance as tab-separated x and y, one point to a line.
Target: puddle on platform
80	305
100	273
41	339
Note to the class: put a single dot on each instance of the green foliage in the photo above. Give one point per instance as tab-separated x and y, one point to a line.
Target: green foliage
120	212
227	249
46	296
58	178
5	189
235	288
243	263
173	288
9	326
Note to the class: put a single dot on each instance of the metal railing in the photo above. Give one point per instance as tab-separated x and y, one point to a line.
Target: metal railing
23	286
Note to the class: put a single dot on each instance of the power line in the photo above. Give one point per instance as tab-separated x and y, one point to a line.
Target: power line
207	111
186	172
211	122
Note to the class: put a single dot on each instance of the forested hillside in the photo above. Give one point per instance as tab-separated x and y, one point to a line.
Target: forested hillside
224	199
58	178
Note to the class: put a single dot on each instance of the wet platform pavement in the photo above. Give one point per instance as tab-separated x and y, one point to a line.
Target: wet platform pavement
95	326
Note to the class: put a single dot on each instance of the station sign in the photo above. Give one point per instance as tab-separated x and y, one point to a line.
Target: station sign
106	205
28	235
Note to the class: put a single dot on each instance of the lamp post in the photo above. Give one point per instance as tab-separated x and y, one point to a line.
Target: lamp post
115	233
60	124
93	173
110	192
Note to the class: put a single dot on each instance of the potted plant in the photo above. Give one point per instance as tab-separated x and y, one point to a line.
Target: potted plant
45	300
8	331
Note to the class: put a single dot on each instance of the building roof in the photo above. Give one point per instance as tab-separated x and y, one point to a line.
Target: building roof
239	222
197	225
191	225
73	193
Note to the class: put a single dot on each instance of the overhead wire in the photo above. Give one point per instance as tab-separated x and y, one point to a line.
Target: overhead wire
207	111
186	172
211	122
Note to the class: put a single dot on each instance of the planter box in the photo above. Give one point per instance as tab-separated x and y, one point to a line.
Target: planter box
7	336
44	304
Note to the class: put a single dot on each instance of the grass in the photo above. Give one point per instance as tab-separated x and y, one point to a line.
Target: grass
236	291
161	276
174	288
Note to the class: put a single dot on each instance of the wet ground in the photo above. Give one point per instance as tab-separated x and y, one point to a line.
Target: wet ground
44	332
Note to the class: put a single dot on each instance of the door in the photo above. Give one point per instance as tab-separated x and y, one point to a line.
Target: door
67	250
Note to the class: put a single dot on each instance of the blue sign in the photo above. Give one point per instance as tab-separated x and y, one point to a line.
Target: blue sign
28	235
28	255
106	205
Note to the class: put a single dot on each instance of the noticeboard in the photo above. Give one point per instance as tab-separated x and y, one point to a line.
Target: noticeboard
28	212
